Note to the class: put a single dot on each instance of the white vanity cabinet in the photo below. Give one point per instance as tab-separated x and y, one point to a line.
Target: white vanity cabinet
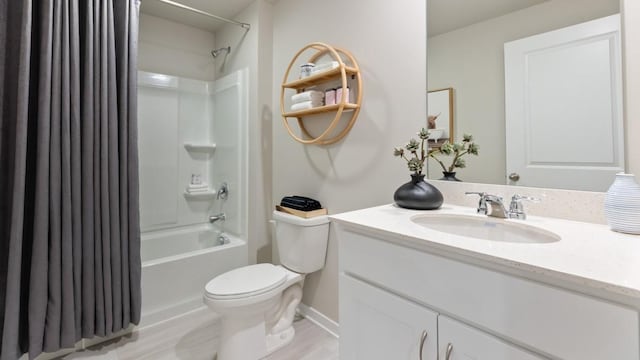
392	288
462	342
375	324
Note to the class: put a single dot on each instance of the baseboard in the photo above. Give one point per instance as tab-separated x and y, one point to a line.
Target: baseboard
320	319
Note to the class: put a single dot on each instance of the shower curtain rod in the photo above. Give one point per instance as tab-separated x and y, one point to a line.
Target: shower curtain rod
185	7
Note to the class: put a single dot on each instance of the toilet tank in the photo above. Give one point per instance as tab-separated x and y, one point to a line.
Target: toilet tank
302	243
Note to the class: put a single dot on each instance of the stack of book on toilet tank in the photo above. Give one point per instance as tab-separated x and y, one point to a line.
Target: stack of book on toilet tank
301	206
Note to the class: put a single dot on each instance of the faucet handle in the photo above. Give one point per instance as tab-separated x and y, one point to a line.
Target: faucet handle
480	193
482	203
517	198
516	210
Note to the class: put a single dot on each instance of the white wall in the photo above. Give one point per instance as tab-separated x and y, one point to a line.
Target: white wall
360	171
631	49
252	49
167	47
471	60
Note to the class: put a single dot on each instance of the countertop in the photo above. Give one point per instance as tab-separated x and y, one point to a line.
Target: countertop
588	256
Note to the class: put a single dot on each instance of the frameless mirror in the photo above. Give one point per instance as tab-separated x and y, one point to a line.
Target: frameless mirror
537	83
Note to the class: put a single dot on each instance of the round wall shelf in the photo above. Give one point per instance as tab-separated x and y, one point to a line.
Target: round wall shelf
347	67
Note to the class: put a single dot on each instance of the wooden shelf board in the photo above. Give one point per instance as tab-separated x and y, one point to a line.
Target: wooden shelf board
320	110
319	77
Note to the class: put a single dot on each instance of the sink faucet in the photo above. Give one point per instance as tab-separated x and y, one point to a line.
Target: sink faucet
496	207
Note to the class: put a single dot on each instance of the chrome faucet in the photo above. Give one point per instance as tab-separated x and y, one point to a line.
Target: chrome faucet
482	203
516	210
496	206
492	205
214	218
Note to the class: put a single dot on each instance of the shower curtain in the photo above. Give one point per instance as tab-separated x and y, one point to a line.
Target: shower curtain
69	222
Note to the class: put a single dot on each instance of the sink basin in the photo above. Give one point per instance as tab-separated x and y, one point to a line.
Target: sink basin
485	228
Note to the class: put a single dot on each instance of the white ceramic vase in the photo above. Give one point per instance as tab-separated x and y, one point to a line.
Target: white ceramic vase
622	204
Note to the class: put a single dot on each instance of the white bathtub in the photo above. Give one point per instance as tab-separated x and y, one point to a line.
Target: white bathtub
176	265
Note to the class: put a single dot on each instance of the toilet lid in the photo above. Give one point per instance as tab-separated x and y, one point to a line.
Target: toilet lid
246	281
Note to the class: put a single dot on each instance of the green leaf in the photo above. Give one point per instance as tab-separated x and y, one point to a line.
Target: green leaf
423	134
413	145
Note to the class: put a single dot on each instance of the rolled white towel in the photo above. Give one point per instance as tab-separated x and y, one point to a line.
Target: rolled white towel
325	67
311	95
305	105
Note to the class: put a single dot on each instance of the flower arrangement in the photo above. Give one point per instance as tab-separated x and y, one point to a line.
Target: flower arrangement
415	153
458	150
418	152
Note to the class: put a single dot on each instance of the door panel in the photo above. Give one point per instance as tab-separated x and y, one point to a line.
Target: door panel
563	96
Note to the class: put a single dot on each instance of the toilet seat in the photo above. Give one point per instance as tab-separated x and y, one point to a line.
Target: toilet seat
246	282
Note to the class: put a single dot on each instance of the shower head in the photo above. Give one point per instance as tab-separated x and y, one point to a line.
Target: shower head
217	52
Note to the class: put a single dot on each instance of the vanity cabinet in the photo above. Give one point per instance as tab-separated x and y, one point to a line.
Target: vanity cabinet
462	342
391	291
371	317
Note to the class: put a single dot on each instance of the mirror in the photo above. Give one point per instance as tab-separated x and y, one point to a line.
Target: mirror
440	117
466	52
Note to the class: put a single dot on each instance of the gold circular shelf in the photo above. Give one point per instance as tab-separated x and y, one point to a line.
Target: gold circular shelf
341	72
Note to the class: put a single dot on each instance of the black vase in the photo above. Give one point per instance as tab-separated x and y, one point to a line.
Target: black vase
449	176
418	194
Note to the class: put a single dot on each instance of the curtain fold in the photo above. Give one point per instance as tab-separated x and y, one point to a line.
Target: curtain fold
69	222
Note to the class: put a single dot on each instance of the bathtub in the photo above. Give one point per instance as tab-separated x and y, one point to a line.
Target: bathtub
177	264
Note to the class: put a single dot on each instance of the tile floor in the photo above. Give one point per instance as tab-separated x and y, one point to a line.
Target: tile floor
195	337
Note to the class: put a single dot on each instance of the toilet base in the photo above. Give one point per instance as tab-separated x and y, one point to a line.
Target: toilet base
276	342
251	333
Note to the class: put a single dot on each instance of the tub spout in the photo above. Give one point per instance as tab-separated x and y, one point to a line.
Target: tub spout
214	218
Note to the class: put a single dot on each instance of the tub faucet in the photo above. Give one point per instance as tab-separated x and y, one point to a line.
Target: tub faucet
216	217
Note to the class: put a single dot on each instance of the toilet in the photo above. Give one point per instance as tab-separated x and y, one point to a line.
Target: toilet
257	303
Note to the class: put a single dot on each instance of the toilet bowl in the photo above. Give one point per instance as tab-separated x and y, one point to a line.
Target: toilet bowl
257	303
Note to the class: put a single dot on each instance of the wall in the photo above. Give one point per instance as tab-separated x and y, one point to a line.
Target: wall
252	49
360	171
471	61
631	49
167	47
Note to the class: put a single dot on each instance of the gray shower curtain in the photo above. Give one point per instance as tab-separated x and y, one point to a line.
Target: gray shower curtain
69	223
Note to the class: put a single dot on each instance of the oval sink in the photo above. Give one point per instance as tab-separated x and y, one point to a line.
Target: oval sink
485	228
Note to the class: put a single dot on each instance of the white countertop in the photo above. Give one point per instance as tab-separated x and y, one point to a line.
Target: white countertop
587	255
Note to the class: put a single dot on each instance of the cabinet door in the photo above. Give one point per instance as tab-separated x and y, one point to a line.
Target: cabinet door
467	343
375	324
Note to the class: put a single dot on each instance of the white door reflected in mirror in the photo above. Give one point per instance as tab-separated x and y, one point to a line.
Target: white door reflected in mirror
563	101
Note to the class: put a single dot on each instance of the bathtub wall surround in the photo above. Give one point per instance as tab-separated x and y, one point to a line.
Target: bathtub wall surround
191	131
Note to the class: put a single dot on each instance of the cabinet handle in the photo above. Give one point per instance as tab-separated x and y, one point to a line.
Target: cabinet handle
448	353
423	338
